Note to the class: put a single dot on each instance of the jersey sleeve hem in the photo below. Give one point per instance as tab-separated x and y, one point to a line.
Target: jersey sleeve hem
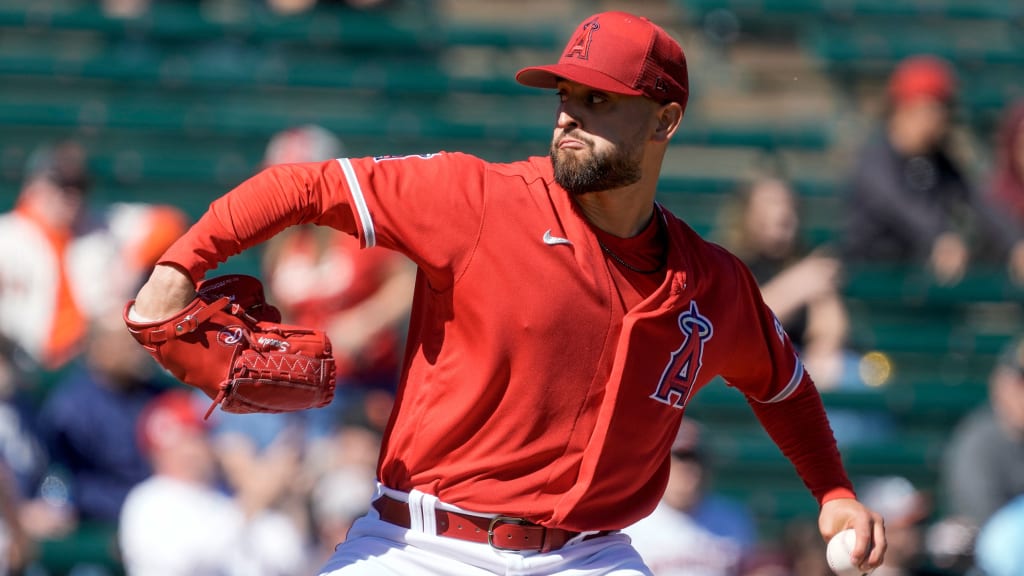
838	494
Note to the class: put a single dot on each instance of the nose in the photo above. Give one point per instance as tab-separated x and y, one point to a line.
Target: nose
566	119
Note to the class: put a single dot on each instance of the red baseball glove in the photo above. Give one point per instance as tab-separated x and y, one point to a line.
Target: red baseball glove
229	343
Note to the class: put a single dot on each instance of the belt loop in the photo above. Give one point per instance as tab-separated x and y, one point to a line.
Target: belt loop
416	510
428	504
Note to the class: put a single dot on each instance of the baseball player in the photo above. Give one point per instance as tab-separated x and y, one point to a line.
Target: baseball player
561	323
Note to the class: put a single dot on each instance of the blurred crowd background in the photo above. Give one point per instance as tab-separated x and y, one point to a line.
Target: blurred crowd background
864	157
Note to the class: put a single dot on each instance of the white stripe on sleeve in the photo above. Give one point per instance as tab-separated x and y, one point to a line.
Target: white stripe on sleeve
369	236
794	382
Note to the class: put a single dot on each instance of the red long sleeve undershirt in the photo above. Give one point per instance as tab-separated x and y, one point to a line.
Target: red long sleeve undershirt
787	423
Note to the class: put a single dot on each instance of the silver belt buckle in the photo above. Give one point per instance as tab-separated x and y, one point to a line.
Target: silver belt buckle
505	520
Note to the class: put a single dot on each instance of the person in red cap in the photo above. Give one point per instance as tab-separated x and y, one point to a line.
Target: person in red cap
561	323
908	201
180	522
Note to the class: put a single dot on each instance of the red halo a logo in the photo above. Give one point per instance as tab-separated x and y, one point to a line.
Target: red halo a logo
230	335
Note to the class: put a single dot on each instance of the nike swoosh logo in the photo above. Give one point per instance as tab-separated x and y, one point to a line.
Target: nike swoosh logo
555	240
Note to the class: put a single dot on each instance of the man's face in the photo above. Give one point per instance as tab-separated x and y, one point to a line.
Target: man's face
924	123
599	138
61	203
771	219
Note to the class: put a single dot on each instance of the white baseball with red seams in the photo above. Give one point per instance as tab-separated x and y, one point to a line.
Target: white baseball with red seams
838	553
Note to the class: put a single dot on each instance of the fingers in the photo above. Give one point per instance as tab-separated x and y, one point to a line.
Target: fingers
869	550
880	544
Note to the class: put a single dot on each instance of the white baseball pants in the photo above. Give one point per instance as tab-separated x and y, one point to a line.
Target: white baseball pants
377	548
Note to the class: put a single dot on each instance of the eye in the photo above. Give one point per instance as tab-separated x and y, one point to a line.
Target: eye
562	95
597	98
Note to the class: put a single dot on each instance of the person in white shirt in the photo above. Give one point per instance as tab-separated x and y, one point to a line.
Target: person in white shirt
178	523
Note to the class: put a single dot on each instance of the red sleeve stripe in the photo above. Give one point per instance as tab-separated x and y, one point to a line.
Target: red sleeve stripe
365	220
794	382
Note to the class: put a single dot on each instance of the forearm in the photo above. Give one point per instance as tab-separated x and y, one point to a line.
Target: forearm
258	209
251	213
800	428
827	324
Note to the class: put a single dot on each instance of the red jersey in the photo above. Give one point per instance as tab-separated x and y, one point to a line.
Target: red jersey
530	387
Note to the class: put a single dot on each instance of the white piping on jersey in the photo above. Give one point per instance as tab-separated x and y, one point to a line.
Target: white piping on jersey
369	236
794	382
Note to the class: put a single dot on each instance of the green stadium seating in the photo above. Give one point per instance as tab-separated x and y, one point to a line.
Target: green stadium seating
817	9
177	107
91	548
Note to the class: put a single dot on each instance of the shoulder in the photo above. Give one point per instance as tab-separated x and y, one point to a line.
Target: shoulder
15	227
530	170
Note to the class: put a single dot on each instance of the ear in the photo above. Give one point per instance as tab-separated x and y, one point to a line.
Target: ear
669	117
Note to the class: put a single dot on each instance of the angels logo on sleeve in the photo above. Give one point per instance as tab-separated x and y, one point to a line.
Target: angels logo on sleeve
680	374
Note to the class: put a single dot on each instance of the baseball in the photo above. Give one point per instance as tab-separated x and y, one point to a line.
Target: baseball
838	553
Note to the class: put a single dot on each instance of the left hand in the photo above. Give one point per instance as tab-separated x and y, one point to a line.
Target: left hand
842	513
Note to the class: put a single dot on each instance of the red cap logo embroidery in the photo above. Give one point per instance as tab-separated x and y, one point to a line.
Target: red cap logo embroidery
580	46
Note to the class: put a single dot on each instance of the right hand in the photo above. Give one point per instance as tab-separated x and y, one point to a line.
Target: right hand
167	292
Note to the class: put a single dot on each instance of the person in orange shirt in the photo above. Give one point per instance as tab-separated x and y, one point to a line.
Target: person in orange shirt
64	264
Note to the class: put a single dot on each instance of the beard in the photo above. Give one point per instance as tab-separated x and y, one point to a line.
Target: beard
581	173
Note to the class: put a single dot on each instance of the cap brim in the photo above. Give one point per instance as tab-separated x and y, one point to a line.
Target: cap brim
548	76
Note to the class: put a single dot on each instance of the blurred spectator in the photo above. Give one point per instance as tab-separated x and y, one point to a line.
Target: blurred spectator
35	502
999	550
906	511
261	458
20	447
950	545
125	9
804	549
38	308
88	420
178	522
761	226
22	460
63	264
983	466
1006	189
16	547
292	7
908	201
1007	186
694	530
321	277
344	481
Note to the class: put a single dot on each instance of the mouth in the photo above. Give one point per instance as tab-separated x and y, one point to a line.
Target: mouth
566	143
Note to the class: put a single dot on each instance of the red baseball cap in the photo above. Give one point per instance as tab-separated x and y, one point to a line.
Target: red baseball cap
167	417
619	53
922	76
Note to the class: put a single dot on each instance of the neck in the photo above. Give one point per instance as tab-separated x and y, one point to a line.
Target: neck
622	212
